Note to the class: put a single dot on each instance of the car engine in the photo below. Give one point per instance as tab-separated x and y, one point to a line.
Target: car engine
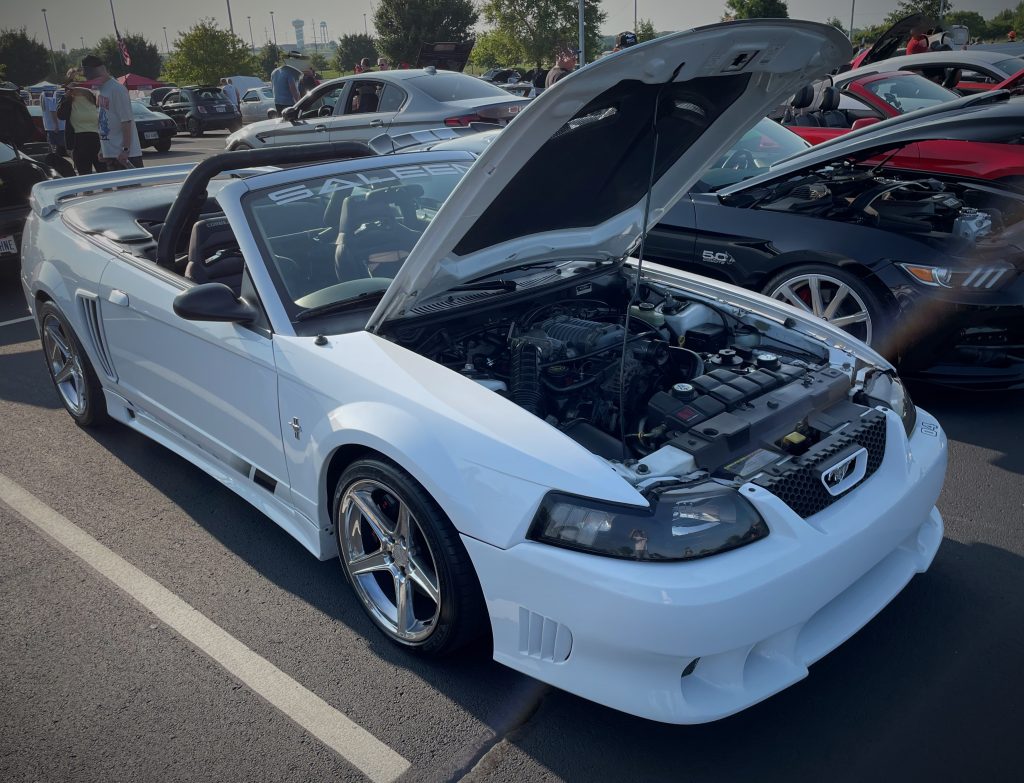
684	388
896	203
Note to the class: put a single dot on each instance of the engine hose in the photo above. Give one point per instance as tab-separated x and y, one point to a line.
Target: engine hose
524	377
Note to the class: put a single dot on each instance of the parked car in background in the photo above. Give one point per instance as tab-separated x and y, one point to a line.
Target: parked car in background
258	104
502	75
358	108
965	70
200	109
18	173
155	128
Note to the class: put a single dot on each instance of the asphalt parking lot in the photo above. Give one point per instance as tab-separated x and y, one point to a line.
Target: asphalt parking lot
96	684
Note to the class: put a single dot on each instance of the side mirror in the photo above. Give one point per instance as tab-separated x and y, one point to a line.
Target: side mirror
213	302
291	114
864	122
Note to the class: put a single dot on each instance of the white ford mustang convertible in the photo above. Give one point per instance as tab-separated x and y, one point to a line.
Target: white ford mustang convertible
658	492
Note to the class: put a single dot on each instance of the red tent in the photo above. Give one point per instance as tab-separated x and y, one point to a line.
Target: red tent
130	80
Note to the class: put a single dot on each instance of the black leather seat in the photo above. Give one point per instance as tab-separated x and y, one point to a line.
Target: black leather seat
213	255
372	241
828	109
799	108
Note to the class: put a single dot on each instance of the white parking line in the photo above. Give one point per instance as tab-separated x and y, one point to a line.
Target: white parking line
349	740
16	321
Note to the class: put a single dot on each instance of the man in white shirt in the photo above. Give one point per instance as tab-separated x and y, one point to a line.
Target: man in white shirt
228	88
52	124
119	139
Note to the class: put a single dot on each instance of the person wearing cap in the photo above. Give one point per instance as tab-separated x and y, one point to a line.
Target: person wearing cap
625	40
82	127
285	81
565	63
119	139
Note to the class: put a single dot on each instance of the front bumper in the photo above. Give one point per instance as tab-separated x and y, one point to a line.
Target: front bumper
12	222
218	121
694	642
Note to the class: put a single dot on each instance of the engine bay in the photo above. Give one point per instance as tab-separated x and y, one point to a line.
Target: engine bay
681	389
894	201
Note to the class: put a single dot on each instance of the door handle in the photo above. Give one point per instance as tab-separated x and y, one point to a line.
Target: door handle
320	127
376	123
119	298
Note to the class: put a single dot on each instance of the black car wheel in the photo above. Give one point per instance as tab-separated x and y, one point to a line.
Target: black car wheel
195	128
71	371
163	145
405	561
837	296
235	126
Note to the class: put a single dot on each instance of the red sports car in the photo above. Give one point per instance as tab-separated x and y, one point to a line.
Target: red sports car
818	115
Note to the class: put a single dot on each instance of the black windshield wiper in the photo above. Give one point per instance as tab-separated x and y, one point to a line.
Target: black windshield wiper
486	285
352	303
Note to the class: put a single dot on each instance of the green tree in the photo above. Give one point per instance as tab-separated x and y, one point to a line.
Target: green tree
403	25
268	58
543	26
1008	19
756	9
933	9
972	20
645	30
495	48
352	48
318	61
834	21
206	52
25	59
145	56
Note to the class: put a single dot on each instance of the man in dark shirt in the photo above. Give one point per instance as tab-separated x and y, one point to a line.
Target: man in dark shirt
565	62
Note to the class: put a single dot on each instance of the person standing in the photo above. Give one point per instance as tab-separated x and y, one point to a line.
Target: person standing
231	93
285	81
565	62
918	43
119	139
52	124
81	131
308	81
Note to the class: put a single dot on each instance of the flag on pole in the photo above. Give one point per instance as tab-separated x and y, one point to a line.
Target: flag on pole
122	47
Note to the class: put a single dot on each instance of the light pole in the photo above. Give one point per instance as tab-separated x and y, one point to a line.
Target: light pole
634	16
167	45
365	30
82	39
853	5
323	32
583	52
53	60
273	27
231	24
252	41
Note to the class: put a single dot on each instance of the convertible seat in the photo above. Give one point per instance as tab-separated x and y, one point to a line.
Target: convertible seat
799	108
213	255
372	242
404	198
828	109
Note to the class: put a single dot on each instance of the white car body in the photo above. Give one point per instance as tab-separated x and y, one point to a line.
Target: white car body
271	410
257	103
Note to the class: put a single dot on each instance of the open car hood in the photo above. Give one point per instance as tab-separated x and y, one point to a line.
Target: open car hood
986	117
889	41
573	168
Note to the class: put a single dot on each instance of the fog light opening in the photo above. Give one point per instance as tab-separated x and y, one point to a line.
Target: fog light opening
690	668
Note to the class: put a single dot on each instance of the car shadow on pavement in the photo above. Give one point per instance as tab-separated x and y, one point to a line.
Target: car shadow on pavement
928	690
23	377
989	420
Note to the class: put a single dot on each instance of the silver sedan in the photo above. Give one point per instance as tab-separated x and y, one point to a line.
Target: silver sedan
258	104
358	108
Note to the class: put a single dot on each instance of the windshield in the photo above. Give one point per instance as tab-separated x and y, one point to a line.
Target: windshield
446	87
333	238
208	94
1011	66
762	146
140	111
909	93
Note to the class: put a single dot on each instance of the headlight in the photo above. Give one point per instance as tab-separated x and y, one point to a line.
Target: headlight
936	276
888	390
678	525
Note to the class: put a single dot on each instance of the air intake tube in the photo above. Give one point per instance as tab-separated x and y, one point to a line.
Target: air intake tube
525	377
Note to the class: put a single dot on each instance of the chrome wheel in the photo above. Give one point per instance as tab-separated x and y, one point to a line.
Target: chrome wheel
389	560
65	365
828	298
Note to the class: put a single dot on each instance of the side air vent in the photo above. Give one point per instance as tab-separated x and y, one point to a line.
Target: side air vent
91	310
542	638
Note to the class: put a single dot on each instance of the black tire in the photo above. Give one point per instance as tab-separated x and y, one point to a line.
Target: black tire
195	128
461	615
91	407
163	145
272	114
872	331
234	127
241	146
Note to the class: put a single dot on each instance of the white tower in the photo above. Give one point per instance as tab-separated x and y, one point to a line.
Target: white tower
300	38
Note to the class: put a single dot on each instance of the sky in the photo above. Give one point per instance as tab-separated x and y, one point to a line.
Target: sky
72	21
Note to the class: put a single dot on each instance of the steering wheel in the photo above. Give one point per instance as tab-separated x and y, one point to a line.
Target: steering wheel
893	101
739	160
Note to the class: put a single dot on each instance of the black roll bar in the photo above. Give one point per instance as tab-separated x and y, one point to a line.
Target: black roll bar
192	195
